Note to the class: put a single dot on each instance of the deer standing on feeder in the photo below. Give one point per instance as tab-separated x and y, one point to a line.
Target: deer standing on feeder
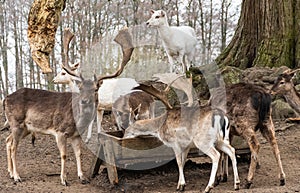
177	40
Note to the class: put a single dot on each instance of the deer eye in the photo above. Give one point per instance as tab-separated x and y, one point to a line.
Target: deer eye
63	73
156	17
281	82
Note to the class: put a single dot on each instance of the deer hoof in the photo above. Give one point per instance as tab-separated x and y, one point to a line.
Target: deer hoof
64	183
87	141
84	180
207	189
181	188
237	186
248	185
17	180
282	182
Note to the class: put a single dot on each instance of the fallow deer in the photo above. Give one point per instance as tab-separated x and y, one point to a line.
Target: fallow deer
131	107
248	107
177	40
64	115
284	86
180	128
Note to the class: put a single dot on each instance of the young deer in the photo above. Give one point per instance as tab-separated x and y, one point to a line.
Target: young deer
131	107
248	107
180	128
179	41
64	115
284	86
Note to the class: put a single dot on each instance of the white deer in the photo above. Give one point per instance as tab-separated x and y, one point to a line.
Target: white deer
177	40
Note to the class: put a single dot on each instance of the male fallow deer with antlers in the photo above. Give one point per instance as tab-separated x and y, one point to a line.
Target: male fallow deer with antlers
180	128
63	115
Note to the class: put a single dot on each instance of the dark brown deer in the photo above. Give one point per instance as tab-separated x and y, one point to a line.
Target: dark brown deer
284	86
131	107
249	109
64	115
180	128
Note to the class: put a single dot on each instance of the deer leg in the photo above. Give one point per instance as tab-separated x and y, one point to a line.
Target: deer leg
254	146
99	121
230	151
190	58
61	141
76	145
184	66
269	135
171	61
180	162
222	172
9	141
215	157
18	132
89	133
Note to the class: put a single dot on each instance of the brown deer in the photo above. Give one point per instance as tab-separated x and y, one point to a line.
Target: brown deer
64	115
249	109
180	128
284	85
131	107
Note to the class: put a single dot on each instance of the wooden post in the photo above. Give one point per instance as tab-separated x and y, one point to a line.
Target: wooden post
110	161
96	163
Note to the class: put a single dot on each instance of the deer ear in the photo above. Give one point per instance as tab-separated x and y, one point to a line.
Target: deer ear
76	65
152	11
162	14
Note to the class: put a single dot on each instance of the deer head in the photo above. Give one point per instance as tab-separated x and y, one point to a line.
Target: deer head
123	38
284	82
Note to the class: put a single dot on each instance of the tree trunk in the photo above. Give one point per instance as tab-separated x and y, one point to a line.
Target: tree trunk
43	21
266	35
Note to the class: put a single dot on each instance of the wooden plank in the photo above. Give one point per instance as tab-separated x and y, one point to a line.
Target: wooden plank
110	162
96	162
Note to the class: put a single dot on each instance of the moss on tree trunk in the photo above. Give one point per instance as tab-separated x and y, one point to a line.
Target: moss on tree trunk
266	36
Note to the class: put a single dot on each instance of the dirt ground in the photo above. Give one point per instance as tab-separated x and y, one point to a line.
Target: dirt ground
39	168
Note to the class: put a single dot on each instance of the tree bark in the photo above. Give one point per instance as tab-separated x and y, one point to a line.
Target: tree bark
42	25
266	35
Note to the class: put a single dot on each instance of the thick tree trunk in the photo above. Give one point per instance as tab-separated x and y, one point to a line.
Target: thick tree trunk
266	35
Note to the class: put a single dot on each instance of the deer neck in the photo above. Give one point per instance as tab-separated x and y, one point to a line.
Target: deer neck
83	114
73	87
293	99
165	32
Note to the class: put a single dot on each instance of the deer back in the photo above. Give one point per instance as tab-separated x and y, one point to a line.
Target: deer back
42	111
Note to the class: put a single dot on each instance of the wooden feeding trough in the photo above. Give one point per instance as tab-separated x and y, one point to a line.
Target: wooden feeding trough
144	152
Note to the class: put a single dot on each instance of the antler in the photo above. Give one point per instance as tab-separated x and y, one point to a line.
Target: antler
161	95
67	37
178	82
124	39
289	71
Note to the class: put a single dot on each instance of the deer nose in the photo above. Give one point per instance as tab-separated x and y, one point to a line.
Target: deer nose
147	23
85	101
